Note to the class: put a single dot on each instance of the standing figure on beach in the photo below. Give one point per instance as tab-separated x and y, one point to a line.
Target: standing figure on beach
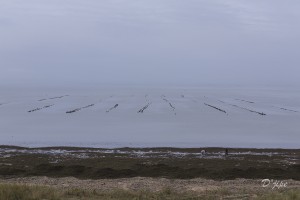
226	152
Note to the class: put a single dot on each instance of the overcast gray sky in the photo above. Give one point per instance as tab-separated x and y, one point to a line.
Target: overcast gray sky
146	42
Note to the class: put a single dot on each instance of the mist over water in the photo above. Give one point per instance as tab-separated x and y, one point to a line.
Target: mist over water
149	43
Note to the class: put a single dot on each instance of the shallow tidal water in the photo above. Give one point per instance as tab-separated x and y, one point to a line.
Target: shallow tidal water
151	117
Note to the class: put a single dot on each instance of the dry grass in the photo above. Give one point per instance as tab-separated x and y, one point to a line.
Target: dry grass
26	192
23	192
284	195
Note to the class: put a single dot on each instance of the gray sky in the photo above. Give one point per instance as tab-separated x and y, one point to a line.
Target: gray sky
150	42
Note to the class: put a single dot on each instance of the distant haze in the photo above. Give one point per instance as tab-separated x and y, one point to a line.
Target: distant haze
150	42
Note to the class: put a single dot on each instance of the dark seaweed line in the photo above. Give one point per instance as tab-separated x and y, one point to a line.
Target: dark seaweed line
36	109
88	106
112	108
166	100
219	109
260	113
144	108
289	110
72	111
78	109
58	97
53	98
245	101
171	106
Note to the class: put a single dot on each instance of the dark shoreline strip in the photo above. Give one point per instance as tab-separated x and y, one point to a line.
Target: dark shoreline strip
112	108
166	100
245	100
170	104
54	98
215	108
144	108
37	109
78	109
288	110
260	113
